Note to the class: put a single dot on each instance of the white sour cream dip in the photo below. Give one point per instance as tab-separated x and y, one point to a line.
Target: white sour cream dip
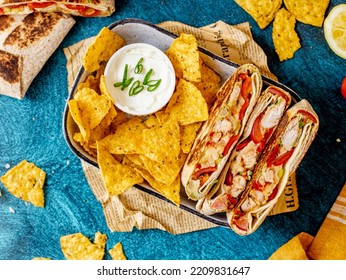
145	102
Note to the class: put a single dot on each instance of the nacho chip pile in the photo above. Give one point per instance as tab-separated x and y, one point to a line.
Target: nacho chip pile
25	181
286	40
131	150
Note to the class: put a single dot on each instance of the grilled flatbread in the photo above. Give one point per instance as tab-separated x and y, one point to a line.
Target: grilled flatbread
83	8
221	132
238	171
26	43
279	160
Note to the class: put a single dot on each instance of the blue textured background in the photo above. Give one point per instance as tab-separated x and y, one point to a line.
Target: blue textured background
31	129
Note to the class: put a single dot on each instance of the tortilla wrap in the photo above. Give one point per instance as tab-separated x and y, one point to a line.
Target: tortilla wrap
279	160
26	43
260	127
228	116
83	8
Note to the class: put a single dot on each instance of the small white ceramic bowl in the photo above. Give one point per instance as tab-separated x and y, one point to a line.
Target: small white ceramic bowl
150	72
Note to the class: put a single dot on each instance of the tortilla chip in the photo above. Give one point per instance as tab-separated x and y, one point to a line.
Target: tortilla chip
161	143
25	181
117	252
90	82
78	247
187	104
93	107
162	116
82	124
119	119
105	45
286	40
117	177
127	139
187	136
104	89
152	121
262	11
184	55
165	173
308	11
209	84
171	192
41	259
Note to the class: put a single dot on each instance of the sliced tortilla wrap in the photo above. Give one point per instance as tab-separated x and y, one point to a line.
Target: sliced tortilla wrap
84	8
29	41
279	160
220	133
238	171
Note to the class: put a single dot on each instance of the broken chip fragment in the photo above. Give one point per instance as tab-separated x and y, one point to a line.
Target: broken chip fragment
117	252
262	11
78	247
308	11
25	181
285	38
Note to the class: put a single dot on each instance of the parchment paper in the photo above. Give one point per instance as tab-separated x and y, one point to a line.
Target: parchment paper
135	208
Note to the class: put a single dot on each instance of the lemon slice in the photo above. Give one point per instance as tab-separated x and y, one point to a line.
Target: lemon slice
335	30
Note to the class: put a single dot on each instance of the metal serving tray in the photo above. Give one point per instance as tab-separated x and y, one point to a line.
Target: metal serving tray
139	31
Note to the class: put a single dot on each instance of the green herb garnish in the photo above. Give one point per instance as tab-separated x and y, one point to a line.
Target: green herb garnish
137	87
139	66
147	76
153	84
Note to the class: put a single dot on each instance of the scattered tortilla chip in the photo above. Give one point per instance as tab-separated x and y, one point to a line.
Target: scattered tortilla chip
187	136
184	55
78	247
117	177
41	259
161	143
117	252
127	139
209	84
25	181
104	89
187	104
262	11
286	40
308	11
93	107
105	45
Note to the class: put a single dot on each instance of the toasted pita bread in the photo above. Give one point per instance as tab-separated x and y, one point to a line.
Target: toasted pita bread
26	42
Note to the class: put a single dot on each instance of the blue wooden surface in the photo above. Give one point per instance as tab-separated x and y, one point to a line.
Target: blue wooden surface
32	129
